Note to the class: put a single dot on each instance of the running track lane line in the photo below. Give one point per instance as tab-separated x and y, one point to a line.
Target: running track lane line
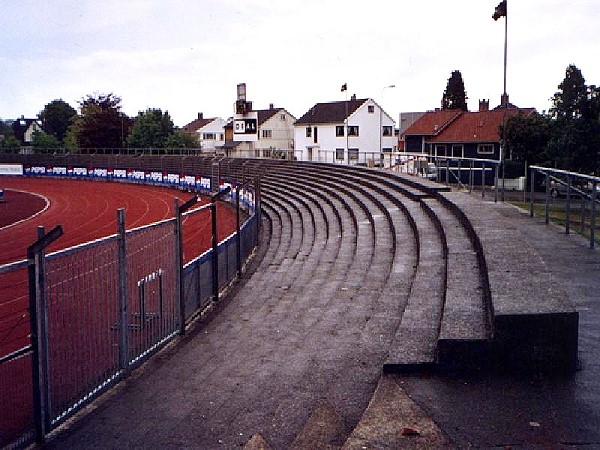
5	227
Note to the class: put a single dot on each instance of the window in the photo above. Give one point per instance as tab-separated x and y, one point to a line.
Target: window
339	154
221	136
267	134
485	149
387	130
371	109
440	150
339	130
458	151
308	131
282	116
315	135
353	154
209	136
386	150
352	130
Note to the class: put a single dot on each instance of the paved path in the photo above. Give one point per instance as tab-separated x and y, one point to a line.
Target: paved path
272	366
529	411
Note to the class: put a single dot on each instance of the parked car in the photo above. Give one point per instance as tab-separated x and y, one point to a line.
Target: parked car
558	189
431	172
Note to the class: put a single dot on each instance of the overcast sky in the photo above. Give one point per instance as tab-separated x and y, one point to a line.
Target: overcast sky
187	56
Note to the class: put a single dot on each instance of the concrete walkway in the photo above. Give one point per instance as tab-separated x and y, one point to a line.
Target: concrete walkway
529	411
301	372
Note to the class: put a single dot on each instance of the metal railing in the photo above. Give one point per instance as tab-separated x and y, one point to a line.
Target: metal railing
101	308
576	188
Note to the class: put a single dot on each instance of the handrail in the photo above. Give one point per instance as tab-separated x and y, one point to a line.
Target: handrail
550	175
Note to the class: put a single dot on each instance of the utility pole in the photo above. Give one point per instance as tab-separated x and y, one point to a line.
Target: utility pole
502	11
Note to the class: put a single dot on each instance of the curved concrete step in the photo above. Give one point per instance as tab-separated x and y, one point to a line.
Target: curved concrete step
415	342
465	330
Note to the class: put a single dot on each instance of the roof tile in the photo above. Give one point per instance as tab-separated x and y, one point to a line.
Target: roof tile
334	112
481	126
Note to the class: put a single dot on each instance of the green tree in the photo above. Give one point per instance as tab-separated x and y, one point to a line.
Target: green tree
56	118
526	137
572	96
101	123
70	141
151	129
575	137
455	96
182	139
41	141
7	137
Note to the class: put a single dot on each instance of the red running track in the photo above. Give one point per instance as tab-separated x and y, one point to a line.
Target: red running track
87	211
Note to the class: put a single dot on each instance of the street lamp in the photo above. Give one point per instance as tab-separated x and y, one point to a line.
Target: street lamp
381	119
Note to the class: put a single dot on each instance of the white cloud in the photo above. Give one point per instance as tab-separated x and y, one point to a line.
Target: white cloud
187	56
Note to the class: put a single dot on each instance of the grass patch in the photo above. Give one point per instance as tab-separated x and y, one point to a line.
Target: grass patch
558	215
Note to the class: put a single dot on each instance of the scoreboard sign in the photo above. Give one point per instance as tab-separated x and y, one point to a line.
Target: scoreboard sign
245	127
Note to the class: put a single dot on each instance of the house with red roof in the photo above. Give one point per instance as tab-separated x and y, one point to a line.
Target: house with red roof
460	134
209	131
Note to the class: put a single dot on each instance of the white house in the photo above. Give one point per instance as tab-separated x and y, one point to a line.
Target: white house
210	131
355	131
23	129
275	136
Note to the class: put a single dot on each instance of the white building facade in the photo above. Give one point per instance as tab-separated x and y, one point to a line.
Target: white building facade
346	132
275	137
212	135
210	132
275	134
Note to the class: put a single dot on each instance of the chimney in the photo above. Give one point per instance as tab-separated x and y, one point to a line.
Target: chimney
200	116
353	97
484	105
271	106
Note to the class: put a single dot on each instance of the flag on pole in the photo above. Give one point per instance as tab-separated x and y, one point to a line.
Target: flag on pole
500	10
344	87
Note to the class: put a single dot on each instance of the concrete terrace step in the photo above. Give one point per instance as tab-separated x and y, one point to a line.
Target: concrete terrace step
465	329
303	225
535	324
288	282
415	342
318	243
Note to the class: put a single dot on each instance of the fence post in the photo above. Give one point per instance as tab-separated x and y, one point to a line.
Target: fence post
180	301
593	215
482	179
215	250
547	211
532	192
471	176
237	231
180	288
583	201
496	170
39	372
257	211
568	207
123	300
447	172
215	179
